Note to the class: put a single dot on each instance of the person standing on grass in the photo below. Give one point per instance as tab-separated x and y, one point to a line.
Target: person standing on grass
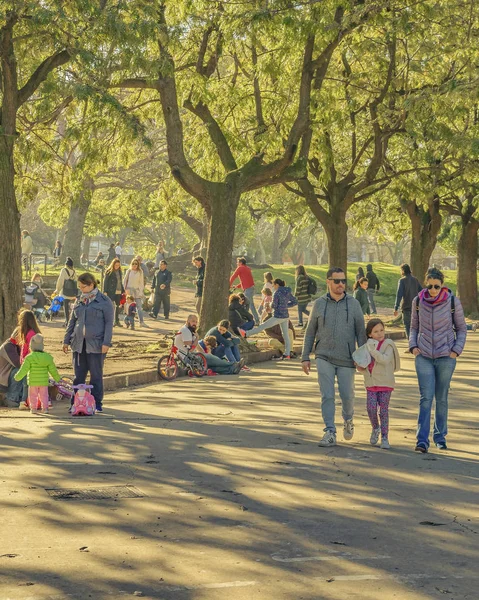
335	328
161	286
373	287
118	250
408	288
66	287
282	300
27	249
199	263
89	334
245	275
361	294
111	253
302	293
437	338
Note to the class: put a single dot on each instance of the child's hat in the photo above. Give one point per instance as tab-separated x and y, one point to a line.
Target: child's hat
36	343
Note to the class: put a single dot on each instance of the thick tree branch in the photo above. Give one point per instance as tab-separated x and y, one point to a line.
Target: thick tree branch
41	73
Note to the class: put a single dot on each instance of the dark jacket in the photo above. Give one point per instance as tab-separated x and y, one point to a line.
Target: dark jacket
9	359
237	314
362	297
111	254
222	339
408	288
199	281
334	330
109	284
162	278
91	323
301	291
282	300
373	281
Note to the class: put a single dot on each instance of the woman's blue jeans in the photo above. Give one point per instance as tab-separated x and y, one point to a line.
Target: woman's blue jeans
434	376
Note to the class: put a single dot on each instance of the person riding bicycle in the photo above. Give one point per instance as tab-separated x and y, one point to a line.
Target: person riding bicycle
186	338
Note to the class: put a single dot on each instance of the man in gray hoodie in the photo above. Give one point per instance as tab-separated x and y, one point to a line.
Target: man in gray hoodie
335	328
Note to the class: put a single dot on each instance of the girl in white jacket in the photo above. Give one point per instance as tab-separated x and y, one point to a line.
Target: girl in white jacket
379	379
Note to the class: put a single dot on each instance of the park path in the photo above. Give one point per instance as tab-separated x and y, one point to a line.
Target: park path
238	500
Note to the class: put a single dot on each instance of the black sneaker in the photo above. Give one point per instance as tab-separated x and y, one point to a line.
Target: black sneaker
99	409
441	446
151	315
421	448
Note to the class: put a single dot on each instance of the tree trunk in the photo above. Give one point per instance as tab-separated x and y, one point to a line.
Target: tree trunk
86	245
261	258
276	257
425	227
76	223
214	305
11	290
336	230
467	253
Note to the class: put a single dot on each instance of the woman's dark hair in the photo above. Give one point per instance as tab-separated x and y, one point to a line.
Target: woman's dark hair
300	270
359	282
241	296
111	266
241	260
371	325
224	323
279	282
434	273
333	270
26	321
69	262
360	272
199	259
406	269
233	298
268	277
88	279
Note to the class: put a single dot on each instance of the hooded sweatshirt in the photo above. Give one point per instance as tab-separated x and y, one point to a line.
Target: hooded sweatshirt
282	300
334	330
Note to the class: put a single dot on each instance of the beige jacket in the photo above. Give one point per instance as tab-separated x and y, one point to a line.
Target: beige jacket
386	362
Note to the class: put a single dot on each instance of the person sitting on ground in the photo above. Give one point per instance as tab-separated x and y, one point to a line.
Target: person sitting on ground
84	262
130	312
39	297
282	300
9	366
98	257
238	315
37	366
361	294
216	364
227	345
275	334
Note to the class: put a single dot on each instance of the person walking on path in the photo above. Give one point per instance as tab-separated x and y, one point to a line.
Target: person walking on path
134	284
36	367
359	273
199	263
282	300
245	275
275	334
408	288
361	295
67	287
437	338
373	287
302	293
111	253
379	379
161	286
89	334
113	286
27	249
118	250
335	328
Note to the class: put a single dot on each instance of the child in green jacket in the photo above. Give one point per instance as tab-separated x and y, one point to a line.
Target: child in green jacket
37	366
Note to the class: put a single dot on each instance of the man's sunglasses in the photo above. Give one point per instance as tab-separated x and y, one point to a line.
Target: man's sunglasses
435	286
337	281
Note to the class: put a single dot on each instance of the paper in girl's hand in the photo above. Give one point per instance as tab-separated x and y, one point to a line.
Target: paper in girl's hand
361	356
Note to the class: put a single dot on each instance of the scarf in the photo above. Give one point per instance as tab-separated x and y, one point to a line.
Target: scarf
87	298
371	364
425	296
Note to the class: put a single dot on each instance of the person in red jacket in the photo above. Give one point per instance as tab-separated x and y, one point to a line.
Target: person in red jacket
245	275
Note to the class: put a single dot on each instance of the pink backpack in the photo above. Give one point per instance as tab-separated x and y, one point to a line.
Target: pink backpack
84	404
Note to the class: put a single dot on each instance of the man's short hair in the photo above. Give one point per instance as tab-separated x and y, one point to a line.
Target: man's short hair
241	260
333	270
163	262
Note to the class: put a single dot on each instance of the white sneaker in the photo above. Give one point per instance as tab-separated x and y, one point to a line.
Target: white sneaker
385	444
348	430
375	436
329	439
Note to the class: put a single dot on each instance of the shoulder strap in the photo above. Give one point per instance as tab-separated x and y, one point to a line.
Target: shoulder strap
453	310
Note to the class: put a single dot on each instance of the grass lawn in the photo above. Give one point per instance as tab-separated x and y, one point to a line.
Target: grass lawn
388	278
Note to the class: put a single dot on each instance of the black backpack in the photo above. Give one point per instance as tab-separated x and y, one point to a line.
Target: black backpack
70	287
312	286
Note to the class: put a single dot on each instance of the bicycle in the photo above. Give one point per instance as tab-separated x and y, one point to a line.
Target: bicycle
194	363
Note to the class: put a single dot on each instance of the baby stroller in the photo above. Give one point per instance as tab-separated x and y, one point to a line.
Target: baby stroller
54	308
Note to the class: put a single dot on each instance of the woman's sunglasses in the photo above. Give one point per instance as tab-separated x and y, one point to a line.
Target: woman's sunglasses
435	286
